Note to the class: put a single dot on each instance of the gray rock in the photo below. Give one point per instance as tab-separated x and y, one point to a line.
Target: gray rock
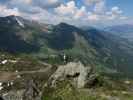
32	92
76	72
13	95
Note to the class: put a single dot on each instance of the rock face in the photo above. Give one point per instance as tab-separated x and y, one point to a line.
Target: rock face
13	95
76	72
30	93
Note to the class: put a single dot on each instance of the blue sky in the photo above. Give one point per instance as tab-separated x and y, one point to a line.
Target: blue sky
125	5
78	12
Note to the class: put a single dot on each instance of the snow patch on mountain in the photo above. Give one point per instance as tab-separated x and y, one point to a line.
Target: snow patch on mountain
19	22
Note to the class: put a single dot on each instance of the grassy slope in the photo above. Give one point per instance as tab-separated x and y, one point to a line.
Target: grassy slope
111	90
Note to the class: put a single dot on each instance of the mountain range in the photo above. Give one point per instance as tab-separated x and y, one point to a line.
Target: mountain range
98	48
124	31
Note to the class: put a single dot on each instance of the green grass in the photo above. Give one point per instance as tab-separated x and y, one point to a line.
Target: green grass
23	62
66	91
109	90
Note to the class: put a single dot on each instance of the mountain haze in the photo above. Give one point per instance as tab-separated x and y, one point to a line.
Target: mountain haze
124	31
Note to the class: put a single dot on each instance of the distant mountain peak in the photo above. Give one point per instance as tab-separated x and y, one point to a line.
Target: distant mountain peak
14	20
11	16
62	24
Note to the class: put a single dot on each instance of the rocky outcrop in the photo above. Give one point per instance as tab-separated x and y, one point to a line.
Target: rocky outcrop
13	95
31	92
77	73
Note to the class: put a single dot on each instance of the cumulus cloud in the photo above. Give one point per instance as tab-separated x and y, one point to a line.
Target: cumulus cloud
99	11
23	1
90	2
68	9
93	17
6	11
47	3
33	6
100	7
23	6
115	13
116	10
59	10
81	13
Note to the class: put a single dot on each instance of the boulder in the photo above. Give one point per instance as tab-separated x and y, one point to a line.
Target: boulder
77	73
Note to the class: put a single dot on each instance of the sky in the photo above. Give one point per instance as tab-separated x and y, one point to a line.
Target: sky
125	5
77	12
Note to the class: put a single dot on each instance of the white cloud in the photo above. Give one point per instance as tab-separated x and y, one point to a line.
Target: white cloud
68	9
59	11
116	10
6	11
81	13
47	3
23	5
33	6
99	12
71	11
93	17
90	2
115	13
43	4
100	7
23	1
